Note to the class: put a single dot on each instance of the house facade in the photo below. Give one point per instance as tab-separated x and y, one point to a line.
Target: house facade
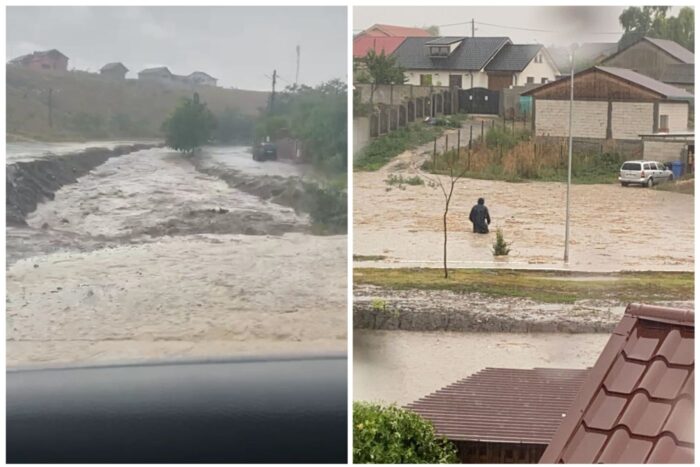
157	74
653	57
609	103
46	60
115	70
473	62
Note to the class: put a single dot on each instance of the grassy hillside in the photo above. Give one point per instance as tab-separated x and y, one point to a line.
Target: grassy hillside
87	106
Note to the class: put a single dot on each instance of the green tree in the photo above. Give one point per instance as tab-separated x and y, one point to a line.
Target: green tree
433	30
234	127
190	125
383	69
653	21
390	435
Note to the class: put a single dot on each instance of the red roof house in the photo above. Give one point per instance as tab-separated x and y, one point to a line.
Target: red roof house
361	45
637	403
46	60
387	30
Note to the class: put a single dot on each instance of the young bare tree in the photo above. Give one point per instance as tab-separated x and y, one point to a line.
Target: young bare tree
456	169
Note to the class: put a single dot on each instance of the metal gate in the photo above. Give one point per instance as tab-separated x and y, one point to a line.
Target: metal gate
478	101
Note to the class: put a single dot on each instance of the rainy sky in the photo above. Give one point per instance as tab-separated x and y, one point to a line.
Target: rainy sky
548	25
237	45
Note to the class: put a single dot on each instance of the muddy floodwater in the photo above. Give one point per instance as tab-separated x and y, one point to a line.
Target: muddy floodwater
612	228
147	258
400	367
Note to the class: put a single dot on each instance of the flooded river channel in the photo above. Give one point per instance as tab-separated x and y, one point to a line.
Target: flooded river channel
147	258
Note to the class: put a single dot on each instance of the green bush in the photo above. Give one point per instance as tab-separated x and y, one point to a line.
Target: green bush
381	150
328	207
400	180
500	246
505	137
391	435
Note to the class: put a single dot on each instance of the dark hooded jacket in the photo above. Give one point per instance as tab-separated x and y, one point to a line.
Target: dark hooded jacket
480	218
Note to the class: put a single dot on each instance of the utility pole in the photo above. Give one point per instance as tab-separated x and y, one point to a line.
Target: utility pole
472	27
296	79
571	147
272	97
50	108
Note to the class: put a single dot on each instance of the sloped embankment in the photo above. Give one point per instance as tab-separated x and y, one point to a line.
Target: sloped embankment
31	182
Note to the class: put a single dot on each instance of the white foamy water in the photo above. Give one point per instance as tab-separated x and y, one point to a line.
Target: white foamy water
27	151
142	190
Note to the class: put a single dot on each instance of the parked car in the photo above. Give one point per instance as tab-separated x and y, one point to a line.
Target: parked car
265	152
645	173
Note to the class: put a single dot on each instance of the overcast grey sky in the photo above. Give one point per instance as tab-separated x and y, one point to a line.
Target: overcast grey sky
237	45
566	24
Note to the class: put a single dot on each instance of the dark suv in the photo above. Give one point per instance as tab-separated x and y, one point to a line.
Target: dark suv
265	152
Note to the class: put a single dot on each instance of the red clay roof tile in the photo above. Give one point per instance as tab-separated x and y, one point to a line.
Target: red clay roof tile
637	403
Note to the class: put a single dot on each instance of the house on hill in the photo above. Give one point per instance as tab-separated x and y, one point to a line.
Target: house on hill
610	103
653	57
46	60
115	70
159	74
473	62
199	78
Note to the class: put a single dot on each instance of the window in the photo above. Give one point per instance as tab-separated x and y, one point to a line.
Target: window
441	51
426	80
631	166
647	167
544	80
538	58
652	166
530	79
663	122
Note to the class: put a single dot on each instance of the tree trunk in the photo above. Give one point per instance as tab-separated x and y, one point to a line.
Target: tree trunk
444	247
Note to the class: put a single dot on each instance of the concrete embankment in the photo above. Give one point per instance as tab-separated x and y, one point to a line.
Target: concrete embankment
30	182
376	308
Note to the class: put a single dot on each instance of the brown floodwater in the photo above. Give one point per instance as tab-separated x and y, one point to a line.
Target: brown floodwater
400	367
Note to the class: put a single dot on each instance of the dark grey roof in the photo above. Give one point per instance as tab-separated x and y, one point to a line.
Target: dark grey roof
37	54
666	90
513	57
679	73
114	66
673	48
444	40
472	54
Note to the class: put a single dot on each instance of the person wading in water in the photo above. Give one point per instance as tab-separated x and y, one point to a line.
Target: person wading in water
480	217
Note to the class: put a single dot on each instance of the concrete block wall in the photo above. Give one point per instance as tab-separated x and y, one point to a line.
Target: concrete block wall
590	118
360	134
665	151
677	115
630	119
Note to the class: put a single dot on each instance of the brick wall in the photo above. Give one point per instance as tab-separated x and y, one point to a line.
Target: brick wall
552	118
630	119
677	115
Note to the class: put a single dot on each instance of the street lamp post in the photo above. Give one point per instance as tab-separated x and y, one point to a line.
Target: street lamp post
571	146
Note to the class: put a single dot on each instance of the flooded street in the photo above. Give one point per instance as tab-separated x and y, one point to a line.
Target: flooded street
612	228
400	367
147	258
